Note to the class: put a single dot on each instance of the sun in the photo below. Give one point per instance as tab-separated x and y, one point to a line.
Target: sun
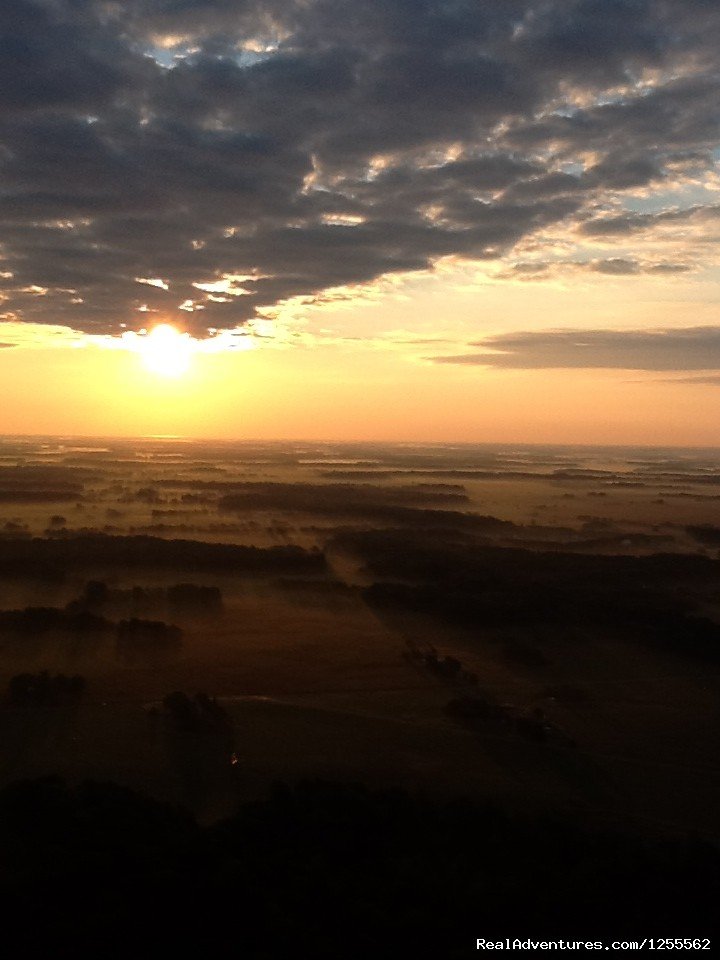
165	351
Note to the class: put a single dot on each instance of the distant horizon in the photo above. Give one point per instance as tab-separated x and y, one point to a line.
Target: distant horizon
353	442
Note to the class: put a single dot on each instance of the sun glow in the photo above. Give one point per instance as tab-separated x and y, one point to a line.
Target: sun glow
165	351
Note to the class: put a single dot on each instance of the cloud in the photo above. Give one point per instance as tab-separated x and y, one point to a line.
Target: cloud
695	348
611	266
711	380
151	151
632	223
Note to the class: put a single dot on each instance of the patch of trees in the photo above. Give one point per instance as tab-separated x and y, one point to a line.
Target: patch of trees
571	542
706	534
476	712
95	593
15	529
327	589
62	495
58	475
198	714
312	862
139	634
646	617
181	597
650	599
202	498
264	495
192	598
50	484
471	605
446	668
709	479
404	555
39	620
383	503
144	495
22	557
44	689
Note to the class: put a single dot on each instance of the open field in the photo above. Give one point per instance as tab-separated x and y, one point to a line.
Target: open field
578	592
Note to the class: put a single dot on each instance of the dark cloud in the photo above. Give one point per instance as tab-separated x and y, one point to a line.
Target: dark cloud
612	266
695	348
615	266
306	145
53	56
675	120
635	223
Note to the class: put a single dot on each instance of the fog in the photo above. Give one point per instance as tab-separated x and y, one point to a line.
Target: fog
530	627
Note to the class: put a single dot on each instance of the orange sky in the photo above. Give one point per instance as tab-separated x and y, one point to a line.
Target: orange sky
360	370
459	221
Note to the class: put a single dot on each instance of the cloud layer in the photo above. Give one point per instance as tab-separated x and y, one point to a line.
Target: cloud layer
216	157
692	348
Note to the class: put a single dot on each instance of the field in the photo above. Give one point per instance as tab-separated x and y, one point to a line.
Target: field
535	626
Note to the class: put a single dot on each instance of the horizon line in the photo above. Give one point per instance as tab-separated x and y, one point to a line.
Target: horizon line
175	438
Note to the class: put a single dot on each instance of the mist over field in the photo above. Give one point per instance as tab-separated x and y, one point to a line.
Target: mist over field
536	629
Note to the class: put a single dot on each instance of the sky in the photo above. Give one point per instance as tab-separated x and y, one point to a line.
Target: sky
418	220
